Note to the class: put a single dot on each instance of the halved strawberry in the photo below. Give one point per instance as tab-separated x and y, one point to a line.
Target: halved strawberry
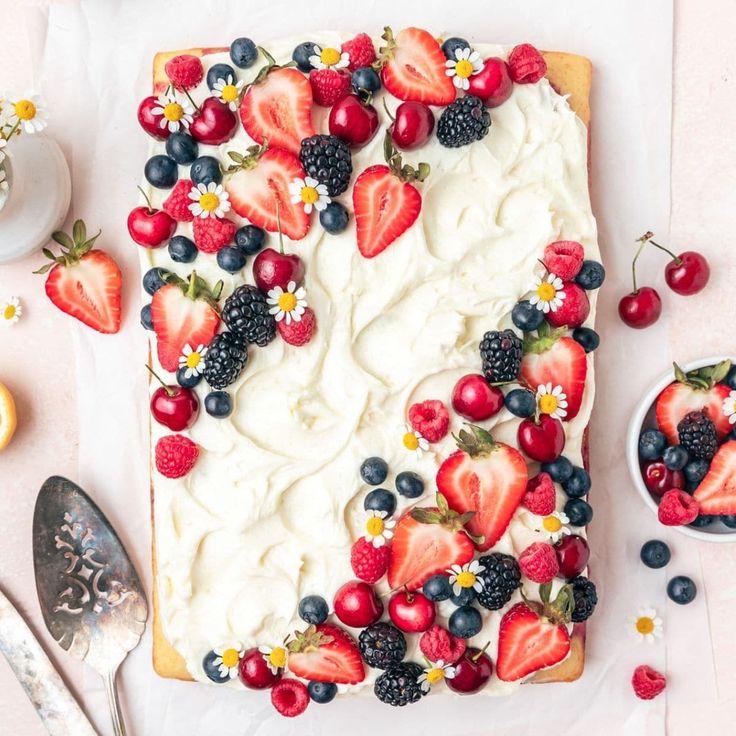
183	313
278	109
414	67
326	653
716	493
258	180
553	358
427	541
694	391
486	477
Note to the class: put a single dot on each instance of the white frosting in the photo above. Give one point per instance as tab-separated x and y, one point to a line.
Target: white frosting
272	507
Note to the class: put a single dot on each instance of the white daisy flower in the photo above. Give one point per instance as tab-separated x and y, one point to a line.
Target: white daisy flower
10	310
378	528
646	625
288	305
209	200
329	58
227	660
553	526
27	113
310	193
413	441
466	576
435	673
175	113
552	401
466	63
275	658
729	407
192	360
548	294
228	90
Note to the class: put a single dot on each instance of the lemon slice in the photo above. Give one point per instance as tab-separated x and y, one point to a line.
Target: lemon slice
7	416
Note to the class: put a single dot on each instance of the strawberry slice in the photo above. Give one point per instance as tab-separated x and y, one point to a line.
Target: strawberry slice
694	391
485	477
553	358
184	313
278	108
716	493
258	181
326	653
427	541
414	67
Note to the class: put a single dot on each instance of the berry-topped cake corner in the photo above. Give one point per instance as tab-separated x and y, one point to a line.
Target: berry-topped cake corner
373	263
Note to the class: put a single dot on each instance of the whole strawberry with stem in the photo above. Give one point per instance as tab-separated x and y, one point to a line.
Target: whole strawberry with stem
643	305
687	273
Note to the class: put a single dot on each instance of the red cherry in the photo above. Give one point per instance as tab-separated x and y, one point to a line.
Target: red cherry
272	269
573	554
688	273
411	612
641	308
175	407
543	440
658	478
149	227
353	121
474	399
492	83
215	123
412	126
255	672
149	122
472	672
356	604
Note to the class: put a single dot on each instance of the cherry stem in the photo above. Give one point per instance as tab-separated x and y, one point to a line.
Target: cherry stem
148	201
169	391
642	242
675	258
477	656
194	104
388	112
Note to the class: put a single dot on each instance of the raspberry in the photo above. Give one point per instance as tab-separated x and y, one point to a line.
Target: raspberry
177	203
574	309
298	333
211	234
290	697
329	86
564	258
540	495
677	508
431	419
647	682
539	562
361	51
438	643
175	455
369	563
184	71
526	64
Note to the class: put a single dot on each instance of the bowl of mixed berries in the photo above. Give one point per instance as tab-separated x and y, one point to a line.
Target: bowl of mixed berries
681	449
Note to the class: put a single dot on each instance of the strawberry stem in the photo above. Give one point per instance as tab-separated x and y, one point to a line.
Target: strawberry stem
169	391
151	210
191	291
674	257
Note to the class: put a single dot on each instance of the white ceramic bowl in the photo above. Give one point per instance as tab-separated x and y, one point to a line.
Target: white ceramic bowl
643	418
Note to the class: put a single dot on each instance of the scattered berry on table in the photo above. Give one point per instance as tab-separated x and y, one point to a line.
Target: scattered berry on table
329	86
437	643
651	444
243	52
161	171
431	419
213	670
250	239
189	381
578	484
464	598
290	697
526	64
184	71
218	404
559	470
675	457
175	455
463	122
182	148
521	402
231	259
465	622
438	588
313	609
586	337
641	308
205	170
526	316
501	354
564	258
677	508
586	598
647	682
591	275
687	273
682	589
360	50
579	512
366	80
369	563
540	496
697	435
702	521
453	44
177	204
655	553
539	562
409	484
380	499
301	55
334	218
182	249
381	645
322	692
211	234
146	320
374	471
501	578
227	355
327	159
398	685
154	279
246	313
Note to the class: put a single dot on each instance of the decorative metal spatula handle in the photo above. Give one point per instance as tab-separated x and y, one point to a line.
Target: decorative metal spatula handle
113	702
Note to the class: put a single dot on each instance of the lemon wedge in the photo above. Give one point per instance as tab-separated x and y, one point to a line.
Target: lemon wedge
7	416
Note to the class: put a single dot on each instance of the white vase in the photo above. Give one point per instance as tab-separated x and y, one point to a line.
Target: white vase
38	196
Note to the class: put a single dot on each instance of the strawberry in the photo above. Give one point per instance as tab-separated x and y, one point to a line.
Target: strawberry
716	493
360	50
82	282
574	309
413	67
539	562
647	682
175	455
551	357
290	697
211	234
258	184
184	71
326	653
427	541
183	313
437	643
485	477
298	333
677	508
533	635
369	563
540	496
329	86
176	205
694	391
564	258
431	419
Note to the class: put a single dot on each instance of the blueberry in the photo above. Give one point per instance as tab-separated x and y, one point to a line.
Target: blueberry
334	218
366	79
651	444
220	71
301	56
250	239
465	622
702	521
730	379
526	316
182	249
695	471
409	484
243	52
185	382
591	275
681	589
218	404
231	259
578	484
464	598
559	470
729	520
313	609
374	471
212	670
675	457
205	169
579	512
451	44
521	402
585	337
146	319
322	692
161	171
437	588
655	554
182	148
380	499
153	279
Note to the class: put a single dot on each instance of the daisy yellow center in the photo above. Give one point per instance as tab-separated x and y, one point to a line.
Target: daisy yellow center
435	675
9	312
411	441
329	56
466	579
173	112
209	202
193	360
277	657
230	657
287	302
644	625
229	93
463	68
546	291
309	195
547	403
552	524
25	109
374	526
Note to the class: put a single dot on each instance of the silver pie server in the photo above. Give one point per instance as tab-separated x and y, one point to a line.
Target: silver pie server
91	597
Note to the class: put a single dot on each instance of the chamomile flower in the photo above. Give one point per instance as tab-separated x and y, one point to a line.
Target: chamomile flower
552	525
552	401
209	200
175	113
646	625
10	310
466	576
729	407
227	660
287	305
275	657
466	63
310	193
329	58
192	360
436	673
413	441
27	113
228	90
378	528
548	293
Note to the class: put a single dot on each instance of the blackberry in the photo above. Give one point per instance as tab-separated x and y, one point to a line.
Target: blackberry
226	357
463	121
382	645
697	435
398	684
501	354
246	314
501	578
586	597
326	158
